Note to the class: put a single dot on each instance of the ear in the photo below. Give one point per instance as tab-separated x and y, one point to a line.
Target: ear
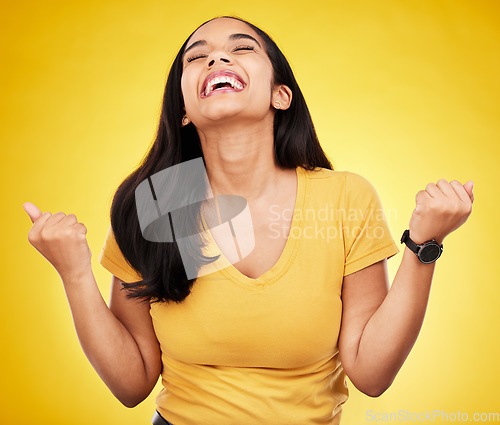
283	95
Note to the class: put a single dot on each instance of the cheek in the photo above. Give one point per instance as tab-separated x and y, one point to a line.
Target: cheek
188	88
184	89
265	80
264	91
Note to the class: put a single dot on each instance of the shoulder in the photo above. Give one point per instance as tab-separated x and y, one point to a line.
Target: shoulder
323	173
347	188
349	179
357	182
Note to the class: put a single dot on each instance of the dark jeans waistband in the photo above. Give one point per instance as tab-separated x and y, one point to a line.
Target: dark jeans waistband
159	420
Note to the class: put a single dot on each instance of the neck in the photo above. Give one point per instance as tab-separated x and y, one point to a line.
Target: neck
240	160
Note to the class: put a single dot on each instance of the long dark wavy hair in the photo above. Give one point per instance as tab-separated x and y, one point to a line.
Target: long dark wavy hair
159	263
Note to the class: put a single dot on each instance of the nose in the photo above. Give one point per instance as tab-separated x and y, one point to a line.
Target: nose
218	57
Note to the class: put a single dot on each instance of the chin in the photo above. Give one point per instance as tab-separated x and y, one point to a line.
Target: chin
224	111
221	111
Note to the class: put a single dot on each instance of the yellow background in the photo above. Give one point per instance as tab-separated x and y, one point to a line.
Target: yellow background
401	92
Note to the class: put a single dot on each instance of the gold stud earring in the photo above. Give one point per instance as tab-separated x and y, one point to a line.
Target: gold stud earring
185	121
277	105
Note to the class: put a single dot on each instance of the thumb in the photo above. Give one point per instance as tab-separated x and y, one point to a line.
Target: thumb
32	210
469	186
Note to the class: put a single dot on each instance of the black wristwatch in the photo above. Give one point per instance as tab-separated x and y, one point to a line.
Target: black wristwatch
427	252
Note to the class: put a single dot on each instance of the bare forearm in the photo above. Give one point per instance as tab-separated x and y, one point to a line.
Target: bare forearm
392	331
108	345
375	357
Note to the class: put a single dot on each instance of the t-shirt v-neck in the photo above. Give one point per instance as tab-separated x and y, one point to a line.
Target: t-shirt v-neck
287	255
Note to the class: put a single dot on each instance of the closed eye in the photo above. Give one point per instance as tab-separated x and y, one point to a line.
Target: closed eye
243	48
192	58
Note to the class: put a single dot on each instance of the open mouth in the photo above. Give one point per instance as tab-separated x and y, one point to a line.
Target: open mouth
222	81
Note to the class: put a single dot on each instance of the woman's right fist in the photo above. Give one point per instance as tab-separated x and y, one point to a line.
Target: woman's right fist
61	240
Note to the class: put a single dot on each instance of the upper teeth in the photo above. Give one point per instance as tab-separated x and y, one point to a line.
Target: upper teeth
223	79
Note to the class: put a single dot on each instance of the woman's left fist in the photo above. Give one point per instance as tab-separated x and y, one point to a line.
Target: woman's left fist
440	209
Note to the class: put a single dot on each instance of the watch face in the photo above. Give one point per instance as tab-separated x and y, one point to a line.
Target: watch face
430	253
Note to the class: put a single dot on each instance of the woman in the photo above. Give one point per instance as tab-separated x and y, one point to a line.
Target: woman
269	338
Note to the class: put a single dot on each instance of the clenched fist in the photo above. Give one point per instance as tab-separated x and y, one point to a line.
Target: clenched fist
61	240
440	209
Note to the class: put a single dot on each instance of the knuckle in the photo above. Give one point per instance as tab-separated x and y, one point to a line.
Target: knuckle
442	181
458	209
45	234
455	208
59	232
449	207
465	207
45	214
59	235
434	207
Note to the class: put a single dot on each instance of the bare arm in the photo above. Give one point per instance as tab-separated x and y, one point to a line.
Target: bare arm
119	341
380	326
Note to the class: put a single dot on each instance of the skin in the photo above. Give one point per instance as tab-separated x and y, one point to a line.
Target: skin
379	325
235	129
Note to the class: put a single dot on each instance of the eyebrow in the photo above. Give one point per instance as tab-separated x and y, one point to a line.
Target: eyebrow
237	36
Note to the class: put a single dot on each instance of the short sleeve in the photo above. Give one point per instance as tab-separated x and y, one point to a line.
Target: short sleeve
112	259
367	238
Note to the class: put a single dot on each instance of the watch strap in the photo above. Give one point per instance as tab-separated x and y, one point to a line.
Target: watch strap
409	243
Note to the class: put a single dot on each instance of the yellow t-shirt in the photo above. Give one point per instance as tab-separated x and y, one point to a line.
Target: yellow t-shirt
243	351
